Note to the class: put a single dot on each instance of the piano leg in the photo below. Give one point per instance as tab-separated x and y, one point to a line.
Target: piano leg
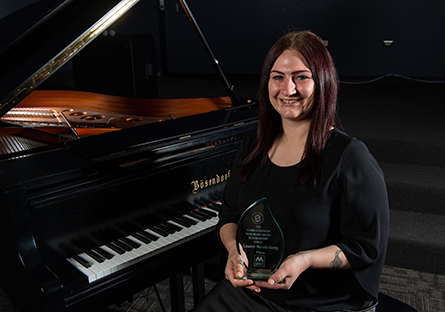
177	293
198	283
177	288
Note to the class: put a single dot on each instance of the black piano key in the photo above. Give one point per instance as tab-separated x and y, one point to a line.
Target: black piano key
166	228
174	227
122	245
95	256
115	248
181	222
213	207
202	214
141	238
149	235
130	242
209	213
196	216
103	253
82	261
158	230
187	219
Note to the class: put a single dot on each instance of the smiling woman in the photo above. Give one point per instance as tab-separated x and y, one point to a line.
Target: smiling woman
324	189
291	86
291	90
310	55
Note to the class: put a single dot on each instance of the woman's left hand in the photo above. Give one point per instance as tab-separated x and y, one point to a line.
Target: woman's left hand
324	258
288	272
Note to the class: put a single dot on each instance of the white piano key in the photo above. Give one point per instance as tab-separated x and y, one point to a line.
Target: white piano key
132	255
119	260
94	266
90	274
105	268
176	236
144	251
162	240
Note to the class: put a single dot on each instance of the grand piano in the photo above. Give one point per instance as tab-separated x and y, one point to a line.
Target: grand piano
91	214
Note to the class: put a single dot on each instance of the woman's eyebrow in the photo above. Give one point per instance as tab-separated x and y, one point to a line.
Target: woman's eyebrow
293	73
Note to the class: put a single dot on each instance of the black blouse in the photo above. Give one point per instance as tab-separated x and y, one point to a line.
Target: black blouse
348	207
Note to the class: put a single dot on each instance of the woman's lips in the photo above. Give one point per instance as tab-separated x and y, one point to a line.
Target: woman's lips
290	102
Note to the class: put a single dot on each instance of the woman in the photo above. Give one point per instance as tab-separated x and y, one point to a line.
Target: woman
324	188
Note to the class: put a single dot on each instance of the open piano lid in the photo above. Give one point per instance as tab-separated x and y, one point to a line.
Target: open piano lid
38	52
28	60
50	42
32	57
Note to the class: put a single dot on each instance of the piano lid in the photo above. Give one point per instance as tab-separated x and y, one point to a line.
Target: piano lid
65	29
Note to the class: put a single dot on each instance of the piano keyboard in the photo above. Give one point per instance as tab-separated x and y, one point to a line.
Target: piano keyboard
116	255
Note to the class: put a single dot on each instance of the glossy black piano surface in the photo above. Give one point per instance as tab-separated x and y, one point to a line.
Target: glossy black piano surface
85	223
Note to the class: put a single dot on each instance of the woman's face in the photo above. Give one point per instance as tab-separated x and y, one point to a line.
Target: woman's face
291	86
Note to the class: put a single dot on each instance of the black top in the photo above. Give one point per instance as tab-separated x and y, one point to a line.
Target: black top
348	207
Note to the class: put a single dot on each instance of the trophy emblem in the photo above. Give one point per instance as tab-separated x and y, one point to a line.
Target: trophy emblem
260	239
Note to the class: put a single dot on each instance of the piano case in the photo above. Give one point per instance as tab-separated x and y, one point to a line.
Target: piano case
86	221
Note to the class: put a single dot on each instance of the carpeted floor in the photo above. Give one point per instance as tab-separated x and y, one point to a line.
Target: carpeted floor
423	291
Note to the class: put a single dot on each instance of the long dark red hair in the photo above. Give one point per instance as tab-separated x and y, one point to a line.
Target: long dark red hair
324	113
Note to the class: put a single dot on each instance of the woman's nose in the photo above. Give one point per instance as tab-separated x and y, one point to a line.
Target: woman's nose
289	88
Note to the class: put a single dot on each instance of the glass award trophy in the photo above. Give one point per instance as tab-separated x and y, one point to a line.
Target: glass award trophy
260	238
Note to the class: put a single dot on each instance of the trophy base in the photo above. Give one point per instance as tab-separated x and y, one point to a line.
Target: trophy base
258	276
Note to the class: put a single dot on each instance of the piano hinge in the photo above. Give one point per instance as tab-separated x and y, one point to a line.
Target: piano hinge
239	124
185	137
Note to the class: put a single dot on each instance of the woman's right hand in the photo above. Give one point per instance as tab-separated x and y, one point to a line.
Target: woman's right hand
235	269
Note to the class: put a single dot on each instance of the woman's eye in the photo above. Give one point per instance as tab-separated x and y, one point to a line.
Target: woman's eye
302	77
277	77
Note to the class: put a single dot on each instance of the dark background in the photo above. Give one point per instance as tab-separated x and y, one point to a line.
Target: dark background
241	32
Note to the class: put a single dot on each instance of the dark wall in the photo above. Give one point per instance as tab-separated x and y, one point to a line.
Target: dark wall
7	7
241	32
